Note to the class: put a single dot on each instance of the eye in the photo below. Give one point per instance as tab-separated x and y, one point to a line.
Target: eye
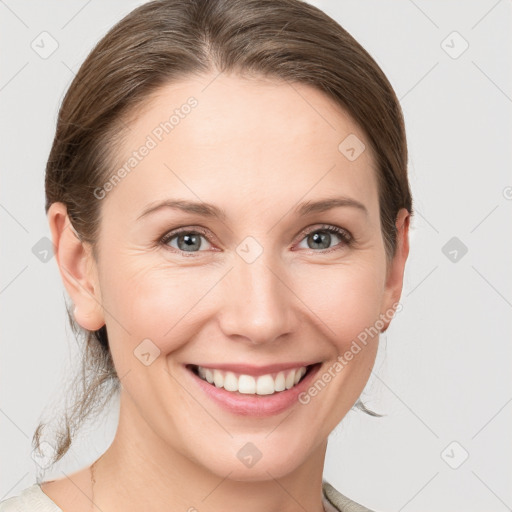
321	237
187	240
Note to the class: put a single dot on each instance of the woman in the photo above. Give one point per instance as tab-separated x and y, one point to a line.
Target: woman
233	175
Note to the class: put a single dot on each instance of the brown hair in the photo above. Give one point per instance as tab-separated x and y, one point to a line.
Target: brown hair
167	40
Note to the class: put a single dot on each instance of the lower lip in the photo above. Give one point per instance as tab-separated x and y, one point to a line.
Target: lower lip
255	405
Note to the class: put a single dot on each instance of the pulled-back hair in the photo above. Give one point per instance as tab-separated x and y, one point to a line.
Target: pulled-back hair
165	41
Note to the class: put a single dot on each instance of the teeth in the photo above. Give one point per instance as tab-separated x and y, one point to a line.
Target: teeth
290	378
249	385
218	378
265	385
208	375
230	382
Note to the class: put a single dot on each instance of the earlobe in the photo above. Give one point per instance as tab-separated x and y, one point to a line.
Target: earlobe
394	283
77	269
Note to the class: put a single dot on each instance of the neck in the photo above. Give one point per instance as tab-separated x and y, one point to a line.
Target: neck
139	467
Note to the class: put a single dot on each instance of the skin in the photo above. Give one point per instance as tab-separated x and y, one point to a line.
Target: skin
255	148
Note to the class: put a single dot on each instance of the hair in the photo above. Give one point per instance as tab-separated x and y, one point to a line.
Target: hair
164	41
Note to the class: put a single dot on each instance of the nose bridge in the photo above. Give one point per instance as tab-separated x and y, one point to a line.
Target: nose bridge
257	302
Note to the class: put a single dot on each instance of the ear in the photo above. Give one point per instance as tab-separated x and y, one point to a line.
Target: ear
395	273
77	268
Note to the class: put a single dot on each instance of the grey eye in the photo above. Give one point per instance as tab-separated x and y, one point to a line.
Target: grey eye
187	241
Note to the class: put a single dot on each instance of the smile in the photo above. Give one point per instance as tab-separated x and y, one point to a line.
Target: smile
266	384
256	391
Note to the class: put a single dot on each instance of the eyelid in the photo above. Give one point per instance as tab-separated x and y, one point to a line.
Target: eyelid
344	234
326	227
188	229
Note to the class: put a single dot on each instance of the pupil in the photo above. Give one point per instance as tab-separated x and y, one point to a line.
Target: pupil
190	242
323	239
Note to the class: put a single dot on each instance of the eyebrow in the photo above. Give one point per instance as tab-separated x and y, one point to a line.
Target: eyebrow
211	211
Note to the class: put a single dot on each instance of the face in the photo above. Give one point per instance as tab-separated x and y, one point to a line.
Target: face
253	280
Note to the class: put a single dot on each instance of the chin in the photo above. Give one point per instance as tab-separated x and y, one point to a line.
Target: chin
256	460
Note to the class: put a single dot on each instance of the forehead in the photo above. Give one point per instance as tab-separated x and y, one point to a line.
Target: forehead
222	136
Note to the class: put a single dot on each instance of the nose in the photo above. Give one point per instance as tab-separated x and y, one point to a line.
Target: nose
257	303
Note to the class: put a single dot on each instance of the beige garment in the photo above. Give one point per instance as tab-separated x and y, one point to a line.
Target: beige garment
33	499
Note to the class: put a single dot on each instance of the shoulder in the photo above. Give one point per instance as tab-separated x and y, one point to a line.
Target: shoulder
334	501
30	499
33	499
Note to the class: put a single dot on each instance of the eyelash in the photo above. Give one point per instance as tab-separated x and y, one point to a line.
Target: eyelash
347	239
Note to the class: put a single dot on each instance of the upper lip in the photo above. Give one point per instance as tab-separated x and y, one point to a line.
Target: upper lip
248	369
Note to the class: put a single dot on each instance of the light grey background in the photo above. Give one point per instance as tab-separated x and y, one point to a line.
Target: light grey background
443	371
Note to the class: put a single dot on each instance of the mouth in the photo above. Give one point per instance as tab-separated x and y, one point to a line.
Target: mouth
256	382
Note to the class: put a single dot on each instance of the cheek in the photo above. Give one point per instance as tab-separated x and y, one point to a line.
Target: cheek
156	303
166	304
346	298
